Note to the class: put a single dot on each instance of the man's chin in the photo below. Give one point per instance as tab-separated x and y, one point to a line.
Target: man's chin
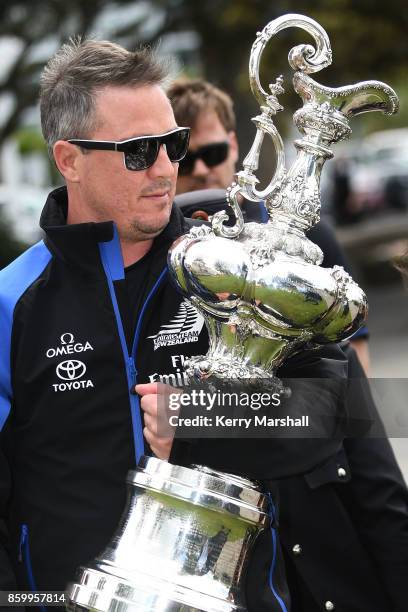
151	231
144	231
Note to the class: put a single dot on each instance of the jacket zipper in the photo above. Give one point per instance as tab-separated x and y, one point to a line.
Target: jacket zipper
109	255
263	212
24	556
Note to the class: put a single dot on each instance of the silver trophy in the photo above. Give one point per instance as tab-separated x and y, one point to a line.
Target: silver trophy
259	286
186	534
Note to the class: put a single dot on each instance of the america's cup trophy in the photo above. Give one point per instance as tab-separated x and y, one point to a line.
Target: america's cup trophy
186	533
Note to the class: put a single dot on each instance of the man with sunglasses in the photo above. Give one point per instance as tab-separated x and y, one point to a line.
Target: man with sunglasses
89	312
213	150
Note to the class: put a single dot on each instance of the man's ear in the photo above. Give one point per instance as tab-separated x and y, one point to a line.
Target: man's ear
67	157
233	141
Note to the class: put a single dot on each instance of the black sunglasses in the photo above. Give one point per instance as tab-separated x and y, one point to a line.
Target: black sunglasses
211	154
141	152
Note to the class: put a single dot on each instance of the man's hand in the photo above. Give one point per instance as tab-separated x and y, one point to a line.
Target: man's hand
157	431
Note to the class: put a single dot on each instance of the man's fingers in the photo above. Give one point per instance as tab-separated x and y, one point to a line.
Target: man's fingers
150	422
160	447
149	436
148	404
155	388
147	388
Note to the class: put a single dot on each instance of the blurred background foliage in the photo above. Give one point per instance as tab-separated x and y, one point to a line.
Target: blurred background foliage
369	40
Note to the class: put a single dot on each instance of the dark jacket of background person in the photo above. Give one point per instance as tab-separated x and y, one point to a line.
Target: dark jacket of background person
344	525
67	445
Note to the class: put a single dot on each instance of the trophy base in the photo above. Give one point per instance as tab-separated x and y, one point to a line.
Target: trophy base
182	544
100	592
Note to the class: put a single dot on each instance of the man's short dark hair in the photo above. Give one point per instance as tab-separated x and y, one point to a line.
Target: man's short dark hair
190	97
73	76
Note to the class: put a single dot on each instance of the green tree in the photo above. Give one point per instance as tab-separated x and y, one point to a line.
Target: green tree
30	23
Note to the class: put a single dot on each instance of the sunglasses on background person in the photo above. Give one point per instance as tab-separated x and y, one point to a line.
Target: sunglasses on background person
212	155
141	152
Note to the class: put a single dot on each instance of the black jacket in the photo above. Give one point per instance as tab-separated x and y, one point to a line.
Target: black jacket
70	428
349	543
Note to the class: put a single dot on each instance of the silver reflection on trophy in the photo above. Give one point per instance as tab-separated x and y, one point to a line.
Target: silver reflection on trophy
182	544
186	534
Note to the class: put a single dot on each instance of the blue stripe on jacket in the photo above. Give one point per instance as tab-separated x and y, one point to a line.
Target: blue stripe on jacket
15	279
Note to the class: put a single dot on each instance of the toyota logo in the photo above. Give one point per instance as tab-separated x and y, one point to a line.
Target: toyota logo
70	369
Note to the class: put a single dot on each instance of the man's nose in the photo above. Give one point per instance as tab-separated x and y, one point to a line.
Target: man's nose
200	168
163	166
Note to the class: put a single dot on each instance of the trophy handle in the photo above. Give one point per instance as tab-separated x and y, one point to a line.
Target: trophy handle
246	178
217	223
302	57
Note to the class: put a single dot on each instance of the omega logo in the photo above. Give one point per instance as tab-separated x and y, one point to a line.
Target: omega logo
68	347
70	369
67	335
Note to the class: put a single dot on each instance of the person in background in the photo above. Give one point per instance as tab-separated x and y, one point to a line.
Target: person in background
211	164
213	150
344	525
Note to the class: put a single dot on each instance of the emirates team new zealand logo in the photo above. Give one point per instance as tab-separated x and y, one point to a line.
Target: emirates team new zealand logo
183	328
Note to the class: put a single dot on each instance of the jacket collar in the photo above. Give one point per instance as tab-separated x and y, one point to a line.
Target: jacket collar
78	244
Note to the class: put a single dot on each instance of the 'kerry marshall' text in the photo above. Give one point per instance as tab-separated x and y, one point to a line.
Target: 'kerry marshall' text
239	422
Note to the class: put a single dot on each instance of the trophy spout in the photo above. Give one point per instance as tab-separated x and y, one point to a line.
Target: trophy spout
322	120
350	100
